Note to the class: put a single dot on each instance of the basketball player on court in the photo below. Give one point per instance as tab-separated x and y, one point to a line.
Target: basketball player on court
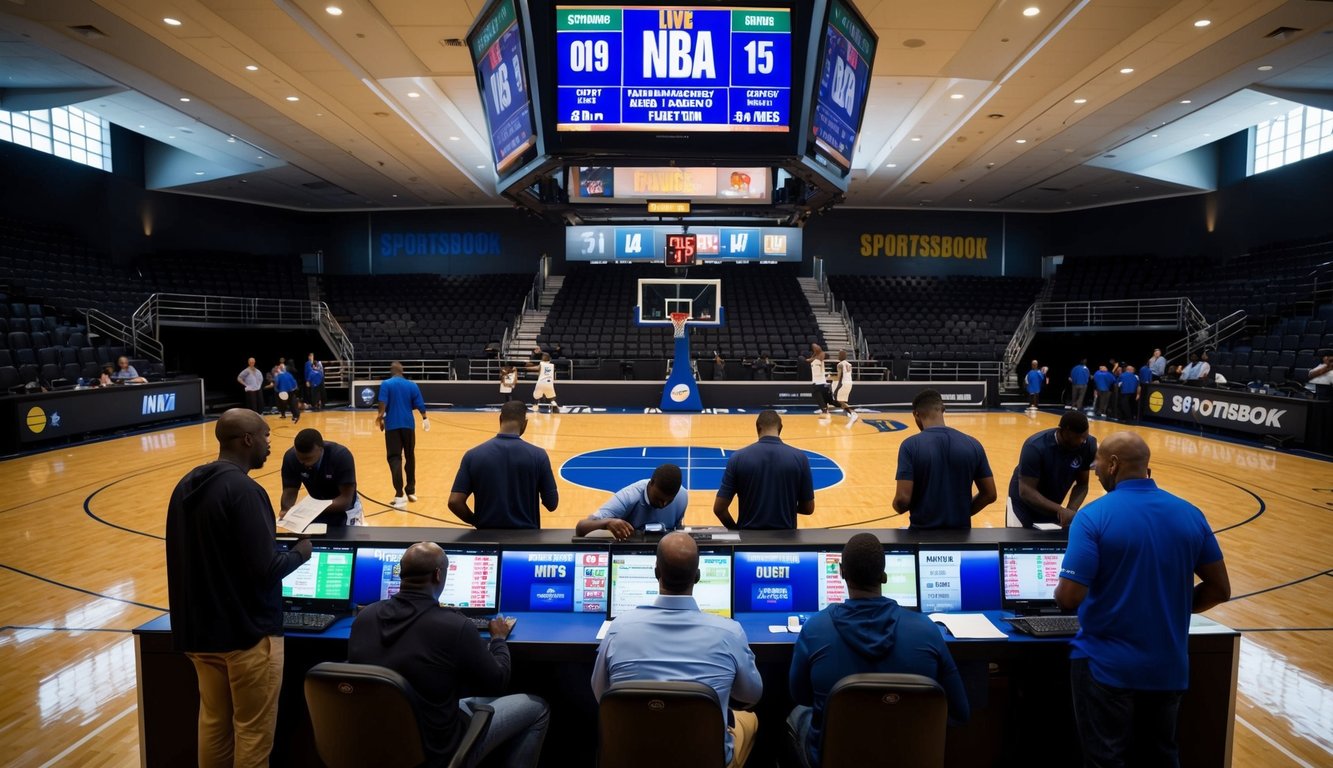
842	386
819	378
508	378
545	384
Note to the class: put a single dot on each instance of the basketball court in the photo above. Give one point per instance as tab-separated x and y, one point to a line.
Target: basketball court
83	560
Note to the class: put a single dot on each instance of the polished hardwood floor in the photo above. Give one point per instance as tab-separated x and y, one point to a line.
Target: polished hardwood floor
82	563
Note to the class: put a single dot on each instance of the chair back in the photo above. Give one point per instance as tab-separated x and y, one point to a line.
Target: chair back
652	724
885	720
363	715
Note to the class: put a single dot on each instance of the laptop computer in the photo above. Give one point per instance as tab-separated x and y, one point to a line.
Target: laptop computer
1029	573
633	582
472	584
320	591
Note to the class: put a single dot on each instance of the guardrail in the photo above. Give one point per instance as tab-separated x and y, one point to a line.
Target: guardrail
1206	337
1115	313
953	370
140	343
417	370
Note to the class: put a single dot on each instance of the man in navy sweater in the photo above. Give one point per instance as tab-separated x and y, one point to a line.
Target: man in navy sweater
867	633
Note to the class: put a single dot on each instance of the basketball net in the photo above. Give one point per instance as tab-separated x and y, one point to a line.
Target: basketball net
678	319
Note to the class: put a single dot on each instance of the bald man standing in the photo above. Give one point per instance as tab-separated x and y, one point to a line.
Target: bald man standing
673	640
224	587
1129	571
397	398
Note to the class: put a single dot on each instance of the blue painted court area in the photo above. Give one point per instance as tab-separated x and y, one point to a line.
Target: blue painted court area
614	468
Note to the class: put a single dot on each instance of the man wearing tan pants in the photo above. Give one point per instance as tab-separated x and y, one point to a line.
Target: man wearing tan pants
224	585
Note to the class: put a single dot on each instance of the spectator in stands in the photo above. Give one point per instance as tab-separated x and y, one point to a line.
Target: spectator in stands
125	373
252	381
657	500
761	368
719	367
1036	379
937	469
1145	373
328	472
819	378
1103	382
673	640
1078	384
507	475
397	399
1191	373
1157	364
868	633
1129	394
537	353
1134	593
1322	374
289	397
224	587
1205	369
442	655
104	379
772	478
1053	462
314	382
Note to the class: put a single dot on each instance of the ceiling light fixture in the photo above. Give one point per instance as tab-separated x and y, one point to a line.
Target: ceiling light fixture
1201	23
1127	71
481	166
293	98
252	67
1184	101
1080	101
198	173
955	95
916	138
1020	141
890	165
453	138
185	99
1266	68
170	22
333	10
1031	10
413	95
231	139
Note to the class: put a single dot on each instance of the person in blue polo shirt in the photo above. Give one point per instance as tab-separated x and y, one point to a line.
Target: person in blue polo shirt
314	382
1036	379
937	468
1053	462
772	478
1129	663
288	399
397	399
1103	381
507	476
655	500
1129	394
1079	376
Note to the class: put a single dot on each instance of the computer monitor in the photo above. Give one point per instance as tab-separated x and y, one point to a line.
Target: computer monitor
555	580
1029	574
899	567
959	577
779	581
471	584
633	582
324	581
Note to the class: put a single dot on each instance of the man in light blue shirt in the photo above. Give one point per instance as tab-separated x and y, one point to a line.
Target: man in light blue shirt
655	500
673	640
1157	364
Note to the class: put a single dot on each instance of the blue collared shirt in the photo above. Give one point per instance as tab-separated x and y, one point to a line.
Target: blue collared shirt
507	476
771	478
631	505
1079	375
400	398
673	640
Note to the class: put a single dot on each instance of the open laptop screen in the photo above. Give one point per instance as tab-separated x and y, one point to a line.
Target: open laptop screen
633	582
325	578
1030	572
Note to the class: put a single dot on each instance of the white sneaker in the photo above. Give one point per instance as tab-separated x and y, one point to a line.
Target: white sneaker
853	416
399	502
411	497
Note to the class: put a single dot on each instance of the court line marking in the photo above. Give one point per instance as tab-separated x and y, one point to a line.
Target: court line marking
22	572
1273	743
88	737
1328	572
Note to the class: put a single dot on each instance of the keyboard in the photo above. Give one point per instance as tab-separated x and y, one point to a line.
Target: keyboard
482	623
1046	626
307	622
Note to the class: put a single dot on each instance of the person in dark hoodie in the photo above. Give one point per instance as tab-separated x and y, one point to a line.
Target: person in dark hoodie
224	589
867	633
443	657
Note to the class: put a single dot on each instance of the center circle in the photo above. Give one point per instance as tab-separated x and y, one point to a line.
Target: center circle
611	469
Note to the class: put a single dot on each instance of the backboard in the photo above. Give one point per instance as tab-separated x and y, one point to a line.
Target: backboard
658	298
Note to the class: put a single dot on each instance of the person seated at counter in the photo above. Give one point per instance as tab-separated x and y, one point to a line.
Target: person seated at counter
125	373
655	503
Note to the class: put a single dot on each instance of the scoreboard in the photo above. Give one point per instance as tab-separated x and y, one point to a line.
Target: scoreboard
710	245
673	69
497	52
846	54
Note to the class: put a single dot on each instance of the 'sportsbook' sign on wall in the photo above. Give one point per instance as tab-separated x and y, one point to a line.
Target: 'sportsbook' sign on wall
1255	414
926	246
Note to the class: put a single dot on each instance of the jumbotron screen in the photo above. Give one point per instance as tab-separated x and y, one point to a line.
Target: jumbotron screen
847	55
676	69
499	57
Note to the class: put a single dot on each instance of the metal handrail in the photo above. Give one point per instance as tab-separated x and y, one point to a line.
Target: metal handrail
140	344
1207	337
417	370
1116	313
1018	343
953	370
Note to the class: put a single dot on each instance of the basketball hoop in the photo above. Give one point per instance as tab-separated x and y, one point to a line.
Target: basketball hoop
678	319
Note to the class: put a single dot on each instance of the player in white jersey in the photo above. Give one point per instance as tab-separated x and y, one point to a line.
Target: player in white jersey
545	383
842	386
508	378
819	378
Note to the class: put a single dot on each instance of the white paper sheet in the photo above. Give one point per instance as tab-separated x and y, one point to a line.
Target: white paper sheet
303	513
969	626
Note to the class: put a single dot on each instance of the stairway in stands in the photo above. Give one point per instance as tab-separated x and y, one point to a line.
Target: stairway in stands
525	337
831	325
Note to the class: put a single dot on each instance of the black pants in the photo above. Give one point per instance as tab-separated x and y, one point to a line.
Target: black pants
1129	407
292	404
315	395
1103	403
402	448
1123	727
823	398
254	400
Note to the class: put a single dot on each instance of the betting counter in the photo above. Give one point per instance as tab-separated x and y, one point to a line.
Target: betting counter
564	591
43	417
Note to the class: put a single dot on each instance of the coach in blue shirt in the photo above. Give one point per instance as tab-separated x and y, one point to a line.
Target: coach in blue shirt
673	640
1078	384
1134	593
937	468
397	398
507	476
867	633
1129	394
1036	379
772	478
1103	381
655	500
1053	462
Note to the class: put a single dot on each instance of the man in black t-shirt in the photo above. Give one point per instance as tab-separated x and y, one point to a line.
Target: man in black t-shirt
328	471
937	469
1052	462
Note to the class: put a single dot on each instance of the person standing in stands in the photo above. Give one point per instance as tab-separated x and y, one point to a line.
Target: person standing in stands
1036	379
819	378
545	387
1157	364
868	633
1134	593
289	398
251	380
655	500
442	656
328	472
314	382
772	478
1129	394
761	368
1322	374
224	590
937	469
671	639
125	373
1053	462
507	475
1078	384
397	399
1103	381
